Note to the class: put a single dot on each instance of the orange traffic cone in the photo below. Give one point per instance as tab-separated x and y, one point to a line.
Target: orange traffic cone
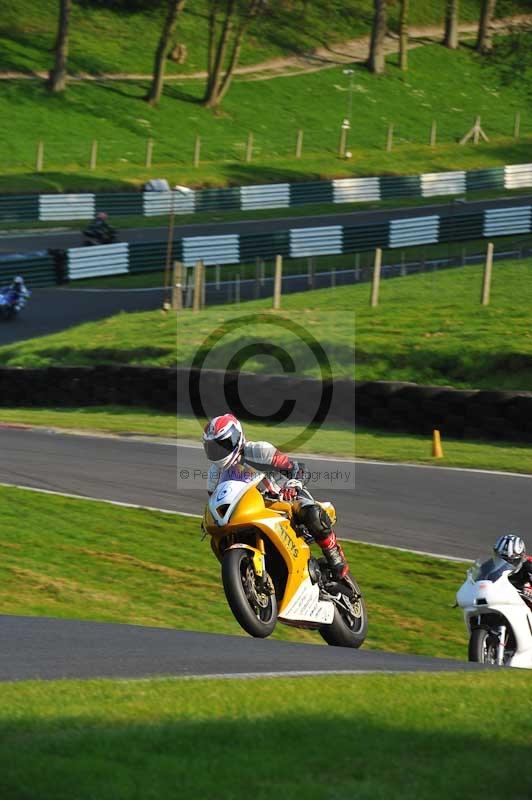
437	450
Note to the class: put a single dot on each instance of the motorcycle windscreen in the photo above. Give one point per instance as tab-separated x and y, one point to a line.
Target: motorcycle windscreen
491	570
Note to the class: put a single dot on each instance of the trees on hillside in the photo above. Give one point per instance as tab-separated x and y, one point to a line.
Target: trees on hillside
57	75
156	88
228	23
485	32
450	38
403	34
376	60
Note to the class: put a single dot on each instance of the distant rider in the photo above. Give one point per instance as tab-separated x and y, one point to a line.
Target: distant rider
226	446
100	229
18	293
512	549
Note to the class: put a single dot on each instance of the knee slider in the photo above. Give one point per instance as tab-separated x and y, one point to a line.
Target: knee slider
316	520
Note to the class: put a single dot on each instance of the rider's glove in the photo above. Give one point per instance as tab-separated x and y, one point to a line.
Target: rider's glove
299	472
290	489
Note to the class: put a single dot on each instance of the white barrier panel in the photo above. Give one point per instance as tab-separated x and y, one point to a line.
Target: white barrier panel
211	249
517	175
66	206
353	190
504	221
275	195
440	183
414	230
91	262
158	203
313	241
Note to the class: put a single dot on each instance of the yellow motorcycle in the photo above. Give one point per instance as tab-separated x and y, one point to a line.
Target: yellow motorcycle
268	571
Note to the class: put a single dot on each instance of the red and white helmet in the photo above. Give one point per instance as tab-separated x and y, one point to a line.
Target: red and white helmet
223	440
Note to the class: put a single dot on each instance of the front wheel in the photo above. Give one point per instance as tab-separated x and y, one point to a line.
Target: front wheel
349	627
251	599
483	647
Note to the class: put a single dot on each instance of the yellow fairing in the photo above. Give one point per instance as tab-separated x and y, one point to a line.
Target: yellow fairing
251	511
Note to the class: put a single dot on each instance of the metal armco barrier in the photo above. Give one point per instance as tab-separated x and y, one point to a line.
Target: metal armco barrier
280	195
326	240
39	269
89	262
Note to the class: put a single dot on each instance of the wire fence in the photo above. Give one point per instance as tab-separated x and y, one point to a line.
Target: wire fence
236	284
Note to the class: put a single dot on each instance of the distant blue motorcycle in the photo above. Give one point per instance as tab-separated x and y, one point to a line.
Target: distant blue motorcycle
12	301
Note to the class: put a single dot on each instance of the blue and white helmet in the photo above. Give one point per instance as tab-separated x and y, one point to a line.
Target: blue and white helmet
510	547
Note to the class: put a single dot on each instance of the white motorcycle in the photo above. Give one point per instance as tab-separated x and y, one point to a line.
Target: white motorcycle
497	616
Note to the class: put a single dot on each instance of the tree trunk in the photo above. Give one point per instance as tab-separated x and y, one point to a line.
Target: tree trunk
57	75
403	35
451	24
485	32
220	70
376	61
218	56
156	88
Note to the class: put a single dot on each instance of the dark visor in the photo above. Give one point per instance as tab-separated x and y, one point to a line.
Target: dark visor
217	450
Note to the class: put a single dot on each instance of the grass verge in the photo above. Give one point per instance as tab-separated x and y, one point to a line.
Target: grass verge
330	440
429	328
388	736
103	562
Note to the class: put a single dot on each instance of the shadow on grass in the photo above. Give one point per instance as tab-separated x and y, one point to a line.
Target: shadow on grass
43	182
322	756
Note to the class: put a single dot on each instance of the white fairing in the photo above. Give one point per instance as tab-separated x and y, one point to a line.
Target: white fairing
306	606
500	597
227	495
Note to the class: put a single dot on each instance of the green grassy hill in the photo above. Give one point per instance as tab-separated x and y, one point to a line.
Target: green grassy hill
429	328
107	38
449	87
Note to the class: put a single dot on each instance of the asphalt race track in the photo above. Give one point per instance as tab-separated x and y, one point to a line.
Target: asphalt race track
52	310
51	649
442	511
22	243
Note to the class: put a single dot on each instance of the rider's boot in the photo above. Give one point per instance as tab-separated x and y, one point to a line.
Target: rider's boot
334	555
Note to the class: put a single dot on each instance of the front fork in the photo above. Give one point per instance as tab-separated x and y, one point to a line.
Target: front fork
501	630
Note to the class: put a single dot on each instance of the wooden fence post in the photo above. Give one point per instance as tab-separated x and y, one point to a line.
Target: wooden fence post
433	133
375	284
389	138
486	283
277	283
299	143
198	280
94	155
177	287
517	125
343	140
197	151
149	152
311	262
249	147
237	288
217	276
40	156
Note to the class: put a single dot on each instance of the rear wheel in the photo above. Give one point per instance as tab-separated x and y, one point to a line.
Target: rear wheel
350	624
483	646
251	599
